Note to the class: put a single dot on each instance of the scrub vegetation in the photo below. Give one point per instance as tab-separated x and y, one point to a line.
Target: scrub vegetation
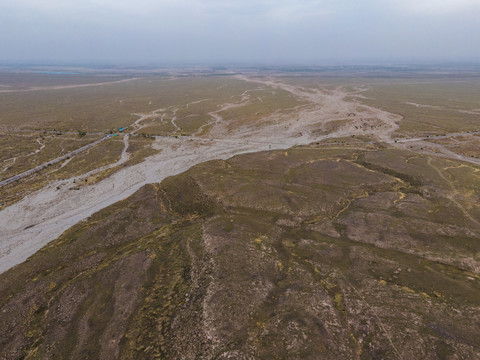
304	253
353	234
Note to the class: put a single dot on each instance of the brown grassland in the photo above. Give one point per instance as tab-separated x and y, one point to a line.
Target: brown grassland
346	248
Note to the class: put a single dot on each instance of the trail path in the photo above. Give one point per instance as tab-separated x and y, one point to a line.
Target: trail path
42	146
9	163
174	118
28	225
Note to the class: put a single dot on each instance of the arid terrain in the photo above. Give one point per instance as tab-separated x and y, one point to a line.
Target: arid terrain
240	214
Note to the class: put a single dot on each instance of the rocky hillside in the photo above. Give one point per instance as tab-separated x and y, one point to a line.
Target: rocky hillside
310	253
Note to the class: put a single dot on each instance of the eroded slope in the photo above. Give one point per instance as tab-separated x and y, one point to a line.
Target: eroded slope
307	253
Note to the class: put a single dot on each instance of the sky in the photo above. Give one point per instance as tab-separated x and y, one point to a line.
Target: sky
239	31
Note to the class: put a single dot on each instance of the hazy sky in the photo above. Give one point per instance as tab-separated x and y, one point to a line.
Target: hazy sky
260	31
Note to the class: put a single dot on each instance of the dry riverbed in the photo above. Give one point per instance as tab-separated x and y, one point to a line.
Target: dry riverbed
31	223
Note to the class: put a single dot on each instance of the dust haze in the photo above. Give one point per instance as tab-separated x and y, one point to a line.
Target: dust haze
202	31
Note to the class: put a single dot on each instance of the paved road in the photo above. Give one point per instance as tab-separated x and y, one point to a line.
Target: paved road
54	161
58	132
